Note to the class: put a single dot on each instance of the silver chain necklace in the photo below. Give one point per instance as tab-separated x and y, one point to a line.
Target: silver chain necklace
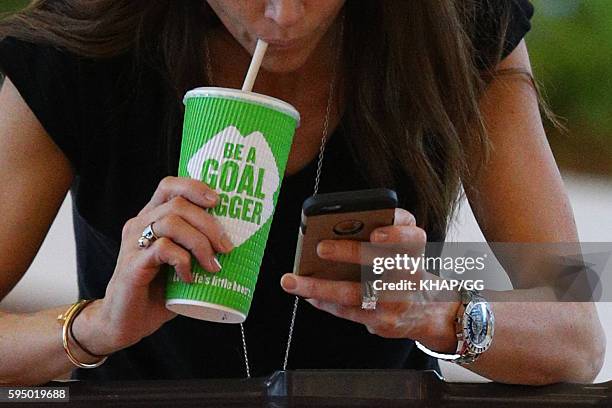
324	135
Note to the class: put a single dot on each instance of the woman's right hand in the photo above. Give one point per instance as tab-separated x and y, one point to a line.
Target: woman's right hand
134	304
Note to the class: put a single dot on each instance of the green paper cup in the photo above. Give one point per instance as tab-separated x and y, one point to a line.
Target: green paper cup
238	143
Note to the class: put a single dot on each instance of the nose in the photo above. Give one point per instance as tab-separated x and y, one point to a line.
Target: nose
285	13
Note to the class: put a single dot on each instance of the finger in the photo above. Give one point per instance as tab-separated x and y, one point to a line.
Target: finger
162	252
195	191
388	242
198	218
340	250
353	313
380	322
399	234
181	232
350	251
399	240
403	217
340	292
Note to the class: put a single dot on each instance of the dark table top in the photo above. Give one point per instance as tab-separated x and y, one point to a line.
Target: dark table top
337	388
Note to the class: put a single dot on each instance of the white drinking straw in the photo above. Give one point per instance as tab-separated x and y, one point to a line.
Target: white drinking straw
258	57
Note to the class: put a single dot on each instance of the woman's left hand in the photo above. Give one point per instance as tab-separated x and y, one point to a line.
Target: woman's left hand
414	315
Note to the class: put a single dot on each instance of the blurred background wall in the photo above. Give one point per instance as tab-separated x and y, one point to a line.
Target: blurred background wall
571	52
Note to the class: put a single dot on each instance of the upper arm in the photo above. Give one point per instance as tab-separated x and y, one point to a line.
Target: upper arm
519	196
35	176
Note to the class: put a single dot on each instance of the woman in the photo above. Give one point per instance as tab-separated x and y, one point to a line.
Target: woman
92	103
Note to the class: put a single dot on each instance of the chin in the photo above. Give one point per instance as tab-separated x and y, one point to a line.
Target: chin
284	64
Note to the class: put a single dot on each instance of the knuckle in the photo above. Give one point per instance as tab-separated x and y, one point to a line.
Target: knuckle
164	245
207	224
201	250
127	228
184	259
200	186
172	219
178	204
211	223
166	182
204	187
125	231
217	235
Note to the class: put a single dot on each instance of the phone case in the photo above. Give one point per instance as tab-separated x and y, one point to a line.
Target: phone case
348	215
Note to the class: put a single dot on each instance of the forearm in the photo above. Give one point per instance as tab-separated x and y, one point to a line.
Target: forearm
542	343
31	346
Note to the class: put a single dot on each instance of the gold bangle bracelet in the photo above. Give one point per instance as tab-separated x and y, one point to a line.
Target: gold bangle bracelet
66	319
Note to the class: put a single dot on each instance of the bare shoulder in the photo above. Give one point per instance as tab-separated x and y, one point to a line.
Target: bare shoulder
22	137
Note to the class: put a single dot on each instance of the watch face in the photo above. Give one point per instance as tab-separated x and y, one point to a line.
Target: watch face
478	327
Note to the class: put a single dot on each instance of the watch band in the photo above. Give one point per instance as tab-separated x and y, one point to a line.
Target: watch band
464	354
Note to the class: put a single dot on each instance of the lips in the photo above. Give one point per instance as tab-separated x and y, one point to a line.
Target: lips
281	43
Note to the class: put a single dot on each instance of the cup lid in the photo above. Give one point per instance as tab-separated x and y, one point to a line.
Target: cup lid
252	97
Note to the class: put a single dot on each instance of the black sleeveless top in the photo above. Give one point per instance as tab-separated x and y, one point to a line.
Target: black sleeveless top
82	105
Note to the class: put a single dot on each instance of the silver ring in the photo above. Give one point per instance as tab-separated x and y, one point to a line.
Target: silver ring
369	297
148	237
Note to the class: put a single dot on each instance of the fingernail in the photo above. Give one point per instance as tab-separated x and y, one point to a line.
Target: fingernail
210	196
289	283
380	236
325	248
226	243
216	265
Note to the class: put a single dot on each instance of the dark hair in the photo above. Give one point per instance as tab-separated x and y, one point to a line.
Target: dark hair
412	113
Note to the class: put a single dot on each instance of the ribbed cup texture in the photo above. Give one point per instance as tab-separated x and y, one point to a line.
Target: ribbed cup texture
221	121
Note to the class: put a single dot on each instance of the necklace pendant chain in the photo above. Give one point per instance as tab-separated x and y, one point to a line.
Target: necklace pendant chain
324	137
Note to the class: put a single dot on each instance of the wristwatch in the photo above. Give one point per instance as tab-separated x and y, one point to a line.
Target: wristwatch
474	327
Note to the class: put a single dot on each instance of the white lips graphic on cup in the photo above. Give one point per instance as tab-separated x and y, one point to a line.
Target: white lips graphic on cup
238	230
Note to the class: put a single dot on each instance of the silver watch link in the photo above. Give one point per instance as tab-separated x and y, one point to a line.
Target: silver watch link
474	326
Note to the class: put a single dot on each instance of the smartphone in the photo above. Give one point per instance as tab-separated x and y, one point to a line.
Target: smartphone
339	216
